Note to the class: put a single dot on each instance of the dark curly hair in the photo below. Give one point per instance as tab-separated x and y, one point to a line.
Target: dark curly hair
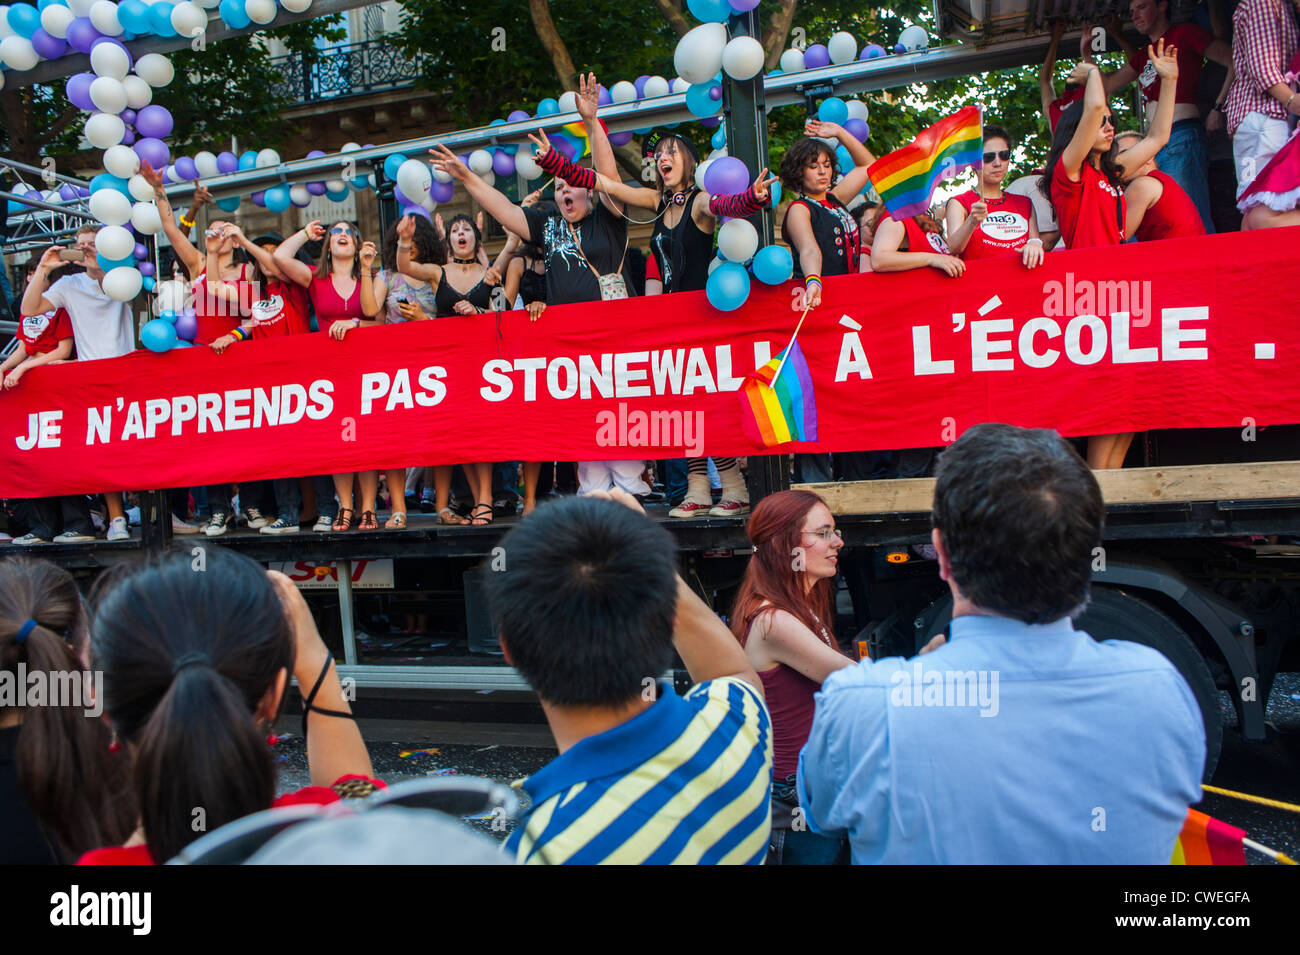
478	236
426	247
799	156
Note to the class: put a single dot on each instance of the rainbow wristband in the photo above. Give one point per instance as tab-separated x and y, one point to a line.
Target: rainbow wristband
808	280
239	335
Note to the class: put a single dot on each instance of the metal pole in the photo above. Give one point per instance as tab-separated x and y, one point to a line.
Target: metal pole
346	611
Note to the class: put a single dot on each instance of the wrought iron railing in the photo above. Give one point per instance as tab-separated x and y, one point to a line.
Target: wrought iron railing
347	70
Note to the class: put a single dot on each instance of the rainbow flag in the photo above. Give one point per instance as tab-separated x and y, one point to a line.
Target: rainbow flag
578	132
907	177
776	412
1206	841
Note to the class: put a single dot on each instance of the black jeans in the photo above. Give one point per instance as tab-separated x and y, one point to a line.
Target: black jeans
47	517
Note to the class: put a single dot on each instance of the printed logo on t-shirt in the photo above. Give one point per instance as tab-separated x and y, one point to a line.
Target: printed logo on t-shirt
1004	226
936	242
268	311
34	326
1148	75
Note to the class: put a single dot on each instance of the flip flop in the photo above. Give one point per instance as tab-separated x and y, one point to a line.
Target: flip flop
448	516
396	522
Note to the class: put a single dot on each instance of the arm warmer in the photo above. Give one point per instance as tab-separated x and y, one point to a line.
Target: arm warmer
558	165
739	206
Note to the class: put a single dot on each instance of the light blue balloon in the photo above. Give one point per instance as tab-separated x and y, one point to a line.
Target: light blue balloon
709	11
775	190
844	159
228	205
134	16
107	265
392	164
248	160
106	180
24	19
548	107
169	316
773	264
160	18
833	110
337	196
700	103
149	283
360	183
182	343
158	335
233	12
728	287
277	198
719	140
776	72
50	3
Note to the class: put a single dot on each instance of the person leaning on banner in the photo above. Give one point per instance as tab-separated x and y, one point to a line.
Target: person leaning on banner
1013	230
1055	746
916	242
1155	206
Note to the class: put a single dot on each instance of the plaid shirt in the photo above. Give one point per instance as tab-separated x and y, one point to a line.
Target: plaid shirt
1265	37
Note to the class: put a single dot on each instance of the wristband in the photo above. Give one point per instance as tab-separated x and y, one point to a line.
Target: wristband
239	335
188	223
1039	241
403	245
808	280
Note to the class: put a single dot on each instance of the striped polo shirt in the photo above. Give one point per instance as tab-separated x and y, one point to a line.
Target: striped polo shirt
687	781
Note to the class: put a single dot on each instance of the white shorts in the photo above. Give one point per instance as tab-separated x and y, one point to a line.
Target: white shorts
1254	143
607	475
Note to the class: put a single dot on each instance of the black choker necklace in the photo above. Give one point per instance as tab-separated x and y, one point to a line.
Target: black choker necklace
464	261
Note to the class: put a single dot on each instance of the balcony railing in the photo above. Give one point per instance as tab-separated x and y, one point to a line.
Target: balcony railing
347	70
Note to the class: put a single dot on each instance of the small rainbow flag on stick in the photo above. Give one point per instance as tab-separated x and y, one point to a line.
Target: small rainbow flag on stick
1207	841
907	177
778	403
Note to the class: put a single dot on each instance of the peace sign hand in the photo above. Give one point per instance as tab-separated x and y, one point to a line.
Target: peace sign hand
543	144
763	184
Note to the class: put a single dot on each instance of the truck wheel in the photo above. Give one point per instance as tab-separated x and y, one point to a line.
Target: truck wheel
1116	614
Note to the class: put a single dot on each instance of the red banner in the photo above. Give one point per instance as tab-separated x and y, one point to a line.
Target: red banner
1183	333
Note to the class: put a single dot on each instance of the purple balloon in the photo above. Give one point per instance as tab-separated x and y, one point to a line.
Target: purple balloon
128	137
141	251
621	139
83	192
602	96
816	56
708	122
154	152
715	92
259	198
146	269
857	128
400	197
639	83
503	164
186	169
518	116
871	51
726	176
227	162
187	325
128	116
316	188
166	173
82	34
154	121
442	191
743	6
78	90
67	191
316	154
415	211
47	45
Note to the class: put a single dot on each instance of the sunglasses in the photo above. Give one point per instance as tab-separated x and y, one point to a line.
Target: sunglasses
213	233
1108	121
340	230
1004	155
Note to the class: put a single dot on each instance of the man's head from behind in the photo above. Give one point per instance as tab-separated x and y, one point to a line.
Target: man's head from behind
585	601
1018	514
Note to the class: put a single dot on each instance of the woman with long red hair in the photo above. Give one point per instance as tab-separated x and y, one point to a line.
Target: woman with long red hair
784	618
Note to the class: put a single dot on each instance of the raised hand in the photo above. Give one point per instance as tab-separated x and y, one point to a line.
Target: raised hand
479	221
368	253
543	144
979	211
406	228
315	231
492	276
152	176
1164	59
588	96
821	130
763	185
438	227
50	260
201	197
533	197
446	161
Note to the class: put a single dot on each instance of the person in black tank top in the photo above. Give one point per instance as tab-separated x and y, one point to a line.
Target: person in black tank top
682	251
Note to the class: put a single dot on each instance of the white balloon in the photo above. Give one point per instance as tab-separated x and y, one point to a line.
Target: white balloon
857	109
123	283
189	19
81	8
737	240
715	263
350	147
54	20
114	242
490	178
914	38
842	47
267	158
296	6
110	207
699	53
429	205
480	160
441	176
700	171
122	162
718	153
139	188
792	61
104	129
144	216
656	86
335	186
108	60
139	94
206	163
260	11
568	102
18	53
414	179
680	85
742	58
172	175
208	4
623	92
155	69
527	166
299	196
108	94
103	14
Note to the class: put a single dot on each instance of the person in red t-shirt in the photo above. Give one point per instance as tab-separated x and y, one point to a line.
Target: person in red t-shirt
42	340
1053	105
1156	207
195	670
992	223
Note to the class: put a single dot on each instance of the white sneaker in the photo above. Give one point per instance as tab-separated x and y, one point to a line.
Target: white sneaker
181	527
5	538
27	540
255	519
73	537
323	525
217	525
117	529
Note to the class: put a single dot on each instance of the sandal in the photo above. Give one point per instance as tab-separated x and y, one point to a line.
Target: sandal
342	523
396	522
448	516
480	520
368	522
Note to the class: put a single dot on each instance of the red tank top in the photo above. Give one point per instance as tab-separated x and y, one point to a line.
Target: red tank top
918	240
1004	231
789	695
218	316
1172	215
330	305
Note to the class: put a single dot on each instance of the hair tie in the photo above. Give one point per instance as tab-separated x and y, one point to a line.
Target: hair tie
189	660
28	626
